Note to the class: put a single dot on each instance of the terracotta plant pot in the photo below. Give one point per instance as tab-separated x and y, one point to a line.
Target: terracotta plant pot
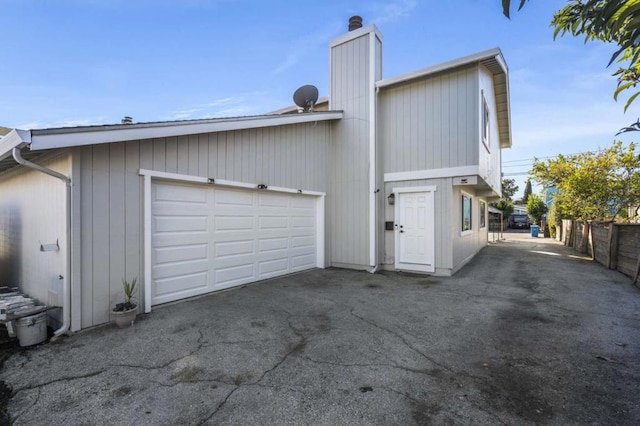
126	318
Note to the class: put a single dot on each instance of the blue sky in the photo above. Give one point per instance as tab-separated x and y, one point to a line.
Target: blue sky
79	62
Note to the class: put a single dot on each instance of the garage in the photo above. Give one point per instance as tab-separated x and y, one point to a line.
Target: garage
209	237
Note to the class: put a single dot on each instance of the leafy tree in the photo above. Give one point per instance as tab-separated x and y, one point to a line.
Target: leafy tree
536	207
527	192
509	188
505	206
611	21
592	185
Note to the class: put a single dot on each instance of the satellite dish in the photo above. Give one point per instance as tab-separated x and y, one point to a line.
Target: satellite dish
306	97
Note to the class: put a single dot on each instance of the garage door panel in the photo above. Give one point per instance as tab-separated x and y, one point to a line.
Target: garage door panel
216	238
233	223
273	222
233	248
273	200
303	222
181	238
275	243
302	262
303	241
224	197
178	253
174	288
234	275
174	209
180	194
179	223
274	267
304	203
175	269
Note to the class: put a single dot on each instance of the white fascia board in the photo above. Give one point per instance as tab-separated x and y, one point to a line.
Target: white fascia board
14	139
223	182
351	35
432	173
455	63
79	136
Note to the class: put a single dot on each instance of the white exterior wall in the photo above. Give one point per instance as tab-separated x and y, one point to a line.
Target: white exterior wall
466	246
430	123
33	212
294	156
351	90
490	157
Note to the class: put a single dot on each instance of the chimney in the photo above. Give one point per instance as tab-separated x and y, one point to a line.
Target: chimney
127	120
355	22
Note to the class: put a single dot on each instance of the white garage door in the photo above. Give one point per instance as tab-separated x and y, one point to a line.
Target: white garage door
207	238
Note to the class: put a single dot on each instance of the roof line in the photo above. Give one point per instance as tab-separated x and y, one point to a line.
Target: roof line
455	63
92	135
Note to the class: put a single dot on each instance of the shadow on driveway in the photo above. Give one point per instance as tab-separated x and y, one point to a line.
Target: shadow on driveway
527	333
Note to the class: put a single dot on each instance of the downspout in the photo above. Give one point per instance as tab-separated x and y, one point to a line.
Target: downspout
66	305
373	191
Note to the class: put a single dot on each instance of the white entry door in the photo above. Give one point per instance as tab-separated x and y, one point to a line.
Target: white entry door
415	228
206	238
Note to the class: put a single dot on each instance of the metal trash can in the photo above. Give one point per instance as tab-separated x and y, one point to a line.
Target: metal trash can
534	231
32	330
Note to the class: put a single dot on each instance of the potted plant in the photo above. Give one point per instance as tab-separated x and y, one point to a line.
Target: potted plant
126	311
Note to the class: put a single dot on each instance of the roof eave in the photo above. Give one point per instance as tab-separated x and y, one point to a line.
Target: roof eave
92	135
16	138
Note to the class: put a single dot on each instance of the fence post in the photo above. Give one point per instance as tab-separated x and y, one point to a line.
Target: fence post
613	263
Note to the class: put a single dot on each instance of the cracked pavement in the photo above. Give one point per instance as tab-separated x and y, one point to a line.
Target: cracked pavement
529	332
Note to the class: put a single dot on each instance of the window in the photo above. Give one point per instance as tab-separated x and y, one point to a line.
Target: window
485	123
483	209
467	224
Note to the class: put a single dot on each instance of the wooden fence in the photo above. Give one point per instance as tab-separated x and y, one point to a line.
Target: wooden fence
614	245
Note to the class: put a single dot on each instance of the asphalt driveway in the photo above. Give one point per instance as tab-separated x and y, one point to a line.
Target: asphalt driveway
527	333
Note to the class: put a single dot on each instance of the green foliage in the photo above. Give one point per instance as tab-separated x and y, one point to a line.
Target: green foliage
536	207
509	188
505	206
129	288
592	186
611	21
527	192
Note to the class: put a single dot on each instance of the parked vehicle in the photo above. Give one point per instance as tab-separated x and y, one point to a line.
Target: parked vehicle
519	221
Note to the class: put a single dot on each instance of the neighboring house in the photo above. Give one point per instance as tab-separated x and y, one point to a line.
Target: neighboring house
395	175
519	209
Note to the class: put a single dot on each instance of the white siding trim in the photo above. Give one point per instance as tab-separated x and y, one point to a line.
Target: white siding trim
429	188
147	243
223	182
320	232
432	173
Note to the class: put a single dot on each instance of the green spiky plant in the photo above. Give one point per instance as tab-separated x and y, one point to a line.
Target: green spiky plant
129	288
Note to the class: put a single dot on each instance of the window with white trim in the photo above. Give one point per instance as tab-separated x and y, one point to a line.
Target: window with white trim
467	222
485	123
483	215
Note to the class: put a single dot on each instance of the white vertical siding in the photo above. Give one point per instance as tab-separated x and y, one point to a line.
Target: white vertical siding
349	187
466	246
489	159
295	156
431	123
33	211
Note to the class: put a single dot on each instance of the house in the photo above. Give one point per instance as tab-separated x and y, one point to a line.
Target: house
392	174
